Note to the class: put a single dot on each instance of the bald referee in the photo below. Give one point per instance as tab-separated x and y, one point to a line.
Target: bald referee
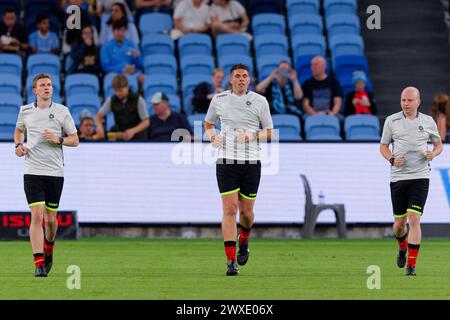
46	123
409	131
245	121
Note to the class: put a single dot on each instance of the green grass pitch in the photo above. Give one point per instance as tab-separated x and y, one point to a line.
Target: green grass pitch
195	269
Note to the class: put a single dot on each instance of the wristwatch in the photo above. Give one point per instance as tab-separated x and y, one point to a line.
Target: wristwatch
61	141
391	160
19	144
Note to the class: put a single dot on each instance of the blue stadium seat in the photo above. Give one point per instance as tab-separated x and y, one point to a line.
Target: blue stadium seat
346	44
157	44
107	84
10	83
81	83
308	45
165	83
187	104
12	102
273	44
197	64
302	7
305	24
345	65
343	24
160	64
333	7
268	63
189	82
288	126
8	119
10	64
264	6
174	103
81	103
232	44
56	84
268	23
195	43
155	22
5	4
346	82
43	63
322	127
362	127
199	119
226	62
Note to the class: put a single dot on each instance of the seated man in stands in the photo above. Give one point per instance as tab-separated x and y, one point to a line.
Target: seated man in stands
359	101
165	121
204	92
282	90
130	113
190	16
228	17
86	131
13	35
323	94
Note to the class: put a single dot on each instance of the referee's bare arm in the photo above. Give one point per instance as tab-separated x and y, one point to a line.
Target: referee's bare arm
210	131
385	151
264	135
437	149
19	137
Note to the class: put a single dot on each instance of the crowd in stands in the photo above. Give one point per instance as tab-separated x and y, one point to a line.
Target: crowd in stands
113	45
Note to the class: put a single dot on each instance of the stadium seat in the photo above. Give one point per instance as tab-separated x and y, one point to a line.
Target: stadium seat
268	63
195	43
346	44
322	127
56	98
333	7
197	64
11	84
160	64
8	120
264	6
10	64
362	127
288	126
308	45
81	83
81	103
226	62
302	7
345	65
268	23
346	82
305	24
5	4
174	103
11	102
155	22
188	83
107	84
273	44
343	24
199	119
157	44
56	84
232	44
165	83
187	104
43	63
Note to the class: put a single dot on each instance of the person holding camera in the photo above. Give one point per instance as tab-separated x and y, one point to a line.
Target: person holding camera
228	16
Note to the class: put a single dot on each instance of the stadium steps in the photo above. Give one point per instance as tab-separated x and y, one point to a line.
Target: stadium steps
410	49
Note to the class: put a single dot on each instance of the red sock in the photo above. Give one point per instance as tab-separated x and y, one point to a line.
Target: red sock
413	251
38	259
48	247
402	243
244	235
230	250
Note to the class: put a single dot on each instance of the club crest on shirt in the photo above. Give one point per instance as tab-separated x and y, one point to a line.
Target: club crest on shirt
248	103
51	116
420	128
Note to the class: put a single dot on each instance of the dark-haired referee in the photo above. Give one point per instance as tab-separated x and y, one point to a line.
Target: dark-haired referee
45	123
245	120
409	132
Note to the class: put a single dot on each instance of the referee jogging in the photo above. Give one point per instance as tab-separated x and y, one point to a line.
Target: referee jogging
45	123
409	132
245	121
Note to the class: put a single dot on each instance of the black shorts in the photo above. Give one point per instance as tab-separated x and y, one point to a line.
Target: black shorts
44	190
242	177
409	196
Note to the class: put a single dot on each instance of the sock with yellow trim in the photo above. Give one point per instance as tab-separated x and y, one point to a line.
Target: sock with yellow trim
38	259
413	251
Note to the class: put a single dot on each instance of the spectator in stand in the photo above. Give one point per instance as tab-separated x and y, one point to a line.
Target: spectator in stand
118	13
440	111
165	121
323	94
228	16
121	55
360	101
190	16
13	35
85	57
282	90
86	132
130	113
149	6
105	7
43	40
204	92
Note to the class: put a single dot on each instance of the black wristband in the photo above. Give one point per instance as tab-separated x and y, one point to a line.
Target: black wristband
391	160
19	144
61	141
